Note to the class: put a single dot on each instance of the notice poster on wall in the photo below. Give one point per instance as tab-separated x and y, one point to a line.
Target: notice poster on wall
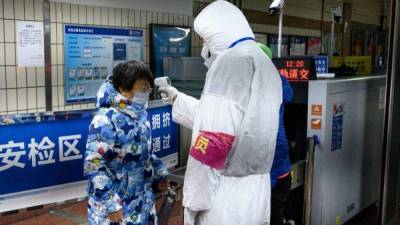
337	43
362	65
357	43
313	46
261	38
167	41
273	45
30	43
90	55
370	44
297	45
337	126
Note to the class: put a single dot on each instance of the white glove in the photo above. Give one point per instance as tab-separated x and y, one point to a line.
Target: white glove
170	91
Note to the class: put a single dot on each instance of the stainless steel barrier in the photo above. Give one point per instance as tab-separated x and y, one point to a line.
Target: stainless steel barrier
308	185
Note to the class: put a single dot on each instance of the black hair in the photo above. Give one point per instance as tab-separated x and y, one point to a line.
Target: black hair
125	75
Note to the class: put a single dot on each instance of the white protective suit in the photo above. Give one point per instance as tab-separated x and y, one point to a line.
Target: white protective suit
234	125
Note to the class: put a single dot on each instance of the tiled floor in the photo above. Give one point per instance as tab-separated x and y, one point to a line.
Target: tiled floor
76	215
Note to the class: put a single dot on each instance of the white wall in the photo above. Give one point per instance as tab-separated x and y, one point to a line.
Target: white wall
183	7
22	89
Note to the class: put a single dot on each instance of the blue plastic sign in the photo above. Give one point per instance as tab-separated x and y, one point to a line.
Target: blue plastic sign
321	64
41	155
168	41
36	155
90	55
165	134
337	126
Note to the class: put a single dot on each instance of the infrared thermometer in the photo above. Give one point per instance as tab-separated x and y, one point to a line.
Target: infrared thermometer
163	82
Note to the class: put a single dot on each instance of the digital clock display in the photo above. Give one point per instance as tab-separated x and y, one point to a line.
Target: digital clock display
296	68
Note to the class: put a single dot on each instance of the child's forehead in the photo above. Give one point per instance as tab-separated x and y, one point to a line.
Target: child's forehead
142	82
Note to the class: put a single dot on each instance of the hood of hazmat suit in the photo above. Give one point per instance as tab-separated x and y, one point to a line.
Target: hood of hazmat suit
234	124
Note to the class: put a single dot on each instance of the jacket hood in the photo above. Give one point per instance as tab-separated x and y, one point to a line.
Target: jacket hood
106	95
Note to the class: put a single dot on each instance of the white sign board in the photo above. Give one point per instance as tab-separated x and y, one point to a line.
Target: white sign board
30	43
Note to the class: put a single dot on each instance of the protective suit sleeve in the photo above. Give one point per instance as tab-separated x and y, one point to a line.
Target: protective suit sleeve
102	182
286	90
160	171
184	110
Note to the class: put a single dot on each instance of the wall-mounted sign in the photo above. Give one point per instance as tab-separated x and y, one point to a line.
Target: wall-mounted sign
326	44
30	43
321	64
297	45
273	45
167	41
261	38
337	126
316	123
316	110
313	46
296	68
360	64
358	42
90	55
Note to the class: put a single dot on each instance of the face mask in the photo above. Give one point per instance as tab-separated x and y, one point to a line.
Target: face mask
205	51
141	97
207	56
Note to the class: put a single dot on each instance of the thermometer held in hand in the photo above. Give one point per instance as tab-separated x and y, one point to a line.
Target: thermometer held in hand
163	82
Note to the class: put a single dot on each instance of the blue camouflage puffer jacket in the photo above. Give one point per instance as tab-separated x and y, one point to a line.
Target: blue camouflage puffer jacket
119	162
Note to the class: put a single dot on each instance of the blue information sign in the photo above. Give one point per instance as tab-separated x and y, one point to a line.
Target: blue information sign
37	155
337	126
168	41
165	133
321	64
90	55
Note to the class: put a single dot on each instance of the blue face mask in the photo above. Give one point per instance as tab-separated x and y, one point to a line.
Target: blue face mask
141	97
135	107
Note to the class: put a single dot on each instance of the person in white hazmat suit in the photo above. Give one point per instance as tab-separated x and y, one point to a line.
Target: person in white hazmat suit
234	124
